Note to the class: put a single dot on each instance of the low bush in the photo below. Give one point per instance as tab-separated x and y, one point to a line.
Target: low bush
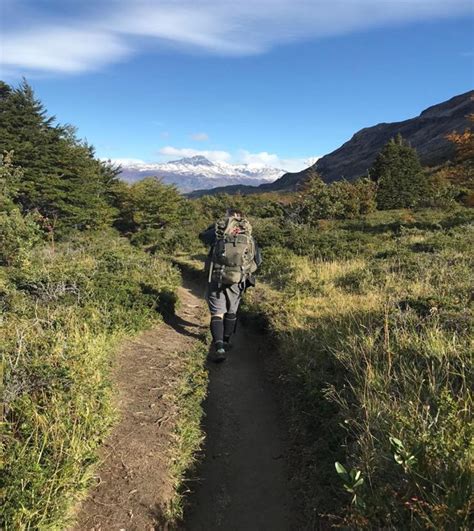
339	200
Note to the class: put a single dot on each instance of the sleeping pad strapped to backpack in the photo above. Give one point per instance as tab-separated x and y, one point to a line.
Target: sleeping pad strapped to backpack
233	256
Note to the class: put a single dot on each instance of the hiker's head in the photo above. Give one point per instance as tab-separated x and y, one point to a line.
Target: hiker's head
234	213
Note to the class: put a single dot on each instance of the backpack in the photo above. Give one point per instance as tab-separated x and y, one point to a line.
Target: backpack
233	255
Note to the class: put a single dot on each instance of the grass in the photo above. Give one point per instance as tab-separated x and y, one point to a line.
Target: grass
373	322
189	399
65	310
375	348
189	437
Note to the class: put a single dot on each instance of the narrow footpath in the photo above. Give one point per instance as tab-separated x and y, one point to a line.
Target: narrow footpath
134	485
242	483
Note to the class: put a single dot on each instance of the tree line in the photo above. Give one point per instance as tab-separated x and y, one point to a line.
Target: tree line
53	184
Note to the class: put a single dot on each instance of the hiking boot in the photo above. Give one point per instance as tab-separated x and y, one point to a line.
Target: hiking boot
218	353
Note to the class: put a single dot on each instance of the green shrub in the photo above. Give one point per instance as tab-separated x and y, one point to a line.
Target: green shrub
18	234
339	200
156	217
355	281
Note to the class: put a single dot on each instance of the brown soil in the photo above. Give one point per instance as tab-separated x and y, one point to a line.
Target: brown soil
133	482
241	483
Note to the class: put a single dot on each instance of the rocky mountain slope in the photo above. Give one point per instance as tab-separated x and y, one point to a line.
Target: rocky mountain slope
198	172
426	132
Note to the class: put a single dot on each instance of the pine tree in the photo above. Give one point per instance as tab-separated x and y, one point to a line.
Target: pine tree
62	179
399	176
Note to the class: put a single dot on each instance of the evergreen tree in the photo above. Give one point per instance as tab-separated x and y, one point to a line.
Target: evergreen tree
62	180
399	176
314	201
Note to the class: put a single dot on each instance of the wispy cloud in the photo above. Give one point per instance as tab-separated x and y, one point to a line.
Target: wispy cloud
200	137
264	158
88	38
67	50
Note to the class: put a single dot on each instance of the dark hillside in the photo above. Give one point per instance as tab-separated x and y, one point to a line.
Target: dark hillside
426	132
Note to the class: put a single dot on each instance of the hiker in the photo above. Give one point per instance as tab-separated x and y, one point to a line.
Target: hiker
230	266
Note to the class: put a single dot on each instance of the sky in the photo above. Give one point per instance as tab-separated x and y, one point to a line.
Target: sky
274	82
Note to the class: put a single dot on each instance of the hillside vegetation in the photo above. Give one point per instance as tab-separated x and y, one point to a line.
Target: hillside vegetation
366	289
65	311
71	288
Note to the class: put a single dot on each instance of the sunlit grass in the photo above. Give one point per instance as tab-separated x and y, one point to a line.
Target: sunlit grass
65	312
377	348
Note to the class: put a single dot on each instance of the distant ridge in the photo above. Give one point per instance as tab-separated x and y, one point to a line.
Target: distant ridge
426	132
191	173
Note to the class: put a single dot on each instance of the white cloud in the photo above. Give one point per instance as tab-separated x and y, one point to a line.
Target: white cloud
298	164
271	159
91	38
241	157
68	50
215	156
258	159
200	137
207	25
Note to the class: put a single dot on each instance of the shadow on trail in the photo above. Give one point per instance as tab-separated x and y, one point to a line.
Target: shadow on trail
242	483
182	327
196	287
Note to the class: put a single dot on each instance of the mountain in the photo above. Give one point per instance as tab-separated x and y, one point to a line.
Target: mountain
426	132
198	172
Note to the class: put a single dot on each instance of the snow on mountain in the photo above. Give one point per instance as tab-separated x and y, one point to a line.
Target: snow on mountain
197	173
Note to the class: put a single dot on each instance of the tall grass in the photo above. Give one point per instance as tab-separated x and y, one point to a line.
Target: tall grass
189	436
65	309
376	343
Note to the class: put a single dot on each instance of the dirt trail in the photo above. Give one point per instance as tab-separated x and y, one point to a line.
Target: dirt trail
133	483
243	484
242	481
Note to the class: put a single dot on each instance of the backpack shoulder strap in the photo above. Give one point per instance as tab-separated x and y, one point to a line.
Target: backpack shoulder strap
220	227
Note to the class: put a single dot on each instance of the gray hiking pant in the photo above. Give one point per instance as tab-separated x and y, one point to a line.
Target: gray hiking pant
225	299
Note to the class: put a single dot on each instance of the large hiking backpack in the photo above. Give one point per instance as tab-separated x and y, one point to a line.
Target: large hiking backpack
233	255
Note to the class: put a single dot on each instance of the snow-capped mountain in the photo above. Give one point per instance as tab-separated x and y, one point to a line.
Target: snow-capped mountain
197	173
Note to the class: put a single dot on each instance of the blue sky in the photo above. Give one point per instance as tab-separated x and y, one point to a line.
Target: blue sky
273	82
